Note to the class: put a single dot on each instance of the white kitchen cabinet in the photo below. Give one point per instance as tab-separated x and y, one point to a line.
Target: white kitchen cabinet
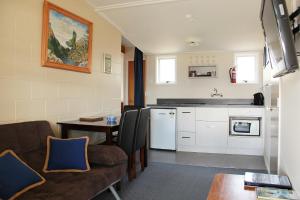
186	138
212	114
211	134
186	119
249	112
206	129
251	145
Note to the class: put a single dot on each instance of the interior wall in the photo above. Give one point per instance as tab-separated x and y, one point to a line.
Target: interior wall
289	136
289	131
199	88
32	92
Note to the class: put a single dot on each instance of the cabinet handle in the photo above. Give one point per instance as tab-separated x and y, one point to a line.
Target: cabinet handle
185	137
186	112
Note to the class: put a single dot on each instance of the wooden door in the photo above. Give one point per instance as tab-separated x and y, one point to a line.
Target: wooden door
131	81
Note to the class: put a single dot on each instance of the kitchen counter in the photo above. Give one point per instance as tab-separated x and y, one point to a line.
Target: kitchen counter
203	125
204	105
209	103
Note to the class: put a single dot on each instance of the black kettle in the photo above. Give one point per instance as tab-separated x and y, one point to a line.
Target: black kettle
259	99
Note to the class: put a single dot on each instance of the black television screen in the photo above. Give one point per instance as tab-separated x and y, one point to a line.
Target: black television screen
278	37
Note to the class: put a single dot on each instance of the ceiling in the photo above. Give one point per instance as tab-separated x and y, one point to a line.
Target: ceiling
168	26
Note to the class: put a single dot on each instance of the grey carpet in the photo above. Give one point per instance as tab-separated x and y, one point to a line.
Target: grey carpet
162	181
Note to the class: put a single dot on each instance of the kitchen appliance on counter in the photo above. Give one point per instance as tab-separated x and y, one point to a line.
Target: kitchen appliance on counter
244	126
163	129
259	99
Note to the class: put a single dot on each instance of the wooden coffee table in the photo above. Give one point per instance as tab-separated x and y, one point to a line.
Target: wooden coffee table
230	187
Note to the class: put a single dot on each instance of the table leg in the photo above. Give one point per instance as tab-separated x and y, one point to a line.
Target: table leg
64	132
108	137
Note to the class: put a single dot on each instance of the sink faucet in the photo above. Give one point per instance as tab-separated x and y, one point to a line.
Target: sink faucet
216	93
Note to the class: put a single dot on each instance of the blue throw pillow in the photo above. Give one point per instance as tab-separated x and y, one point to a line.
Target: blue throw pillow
16	177
66	155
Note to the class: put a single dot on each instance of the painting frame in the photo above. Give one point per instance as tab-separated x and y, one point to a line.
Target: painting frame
45	36
107	61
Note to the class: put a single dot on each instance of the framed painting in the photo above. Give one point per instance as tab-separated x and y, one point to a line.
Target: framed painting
66	40
107	63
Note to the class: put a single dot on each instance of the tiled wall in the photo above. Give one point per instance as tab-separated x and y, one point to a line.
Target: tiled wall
29	91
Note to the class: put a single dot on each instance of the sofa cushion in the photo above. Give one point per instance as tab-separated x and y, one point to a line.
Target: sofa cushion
76	186
16	177
106	155
9	139
66	155
35	159
25	136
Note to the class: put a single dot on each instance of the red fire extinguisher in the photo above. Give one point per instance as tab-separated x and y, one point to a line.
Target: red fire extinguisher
232	74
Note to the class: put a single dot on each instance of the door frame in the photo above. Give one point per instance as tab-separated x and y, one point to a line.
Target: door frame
131	64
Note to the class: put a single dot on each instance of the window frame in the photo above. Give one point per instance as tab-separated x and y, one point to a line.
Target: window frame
158	66
245	54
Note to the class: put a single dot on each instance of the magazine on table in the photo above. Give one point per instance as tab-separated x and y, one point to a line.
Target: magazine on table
267	180
265	193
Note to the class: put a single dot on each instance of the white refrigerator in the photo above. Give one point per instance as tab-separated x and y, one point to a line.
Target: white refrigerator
163	129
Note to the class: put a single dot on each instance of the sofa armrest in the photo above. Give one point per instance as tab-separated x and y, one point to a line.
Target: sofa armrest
106	155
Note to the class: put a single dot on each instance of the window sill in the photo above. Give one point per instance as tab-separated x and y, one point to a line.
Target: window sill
163	84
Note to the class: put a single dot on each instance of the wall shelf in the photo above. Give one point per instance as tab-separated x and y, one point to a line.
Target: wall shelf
203	71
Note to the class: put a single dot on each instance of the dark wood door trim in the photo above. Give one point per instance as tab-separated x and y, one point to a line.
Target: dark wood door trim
131	81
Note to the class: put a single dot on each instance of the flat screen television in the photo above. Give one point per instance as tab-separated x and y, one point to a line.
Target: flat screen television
278	37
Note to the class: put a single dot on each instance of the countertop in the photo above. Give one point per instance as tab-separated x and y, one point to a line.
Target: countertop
205	105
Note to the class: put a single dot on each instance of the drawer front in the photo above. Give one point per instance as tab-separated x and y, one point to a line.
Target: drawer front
243	142
255	112
212	134
185	138
212	114
186	119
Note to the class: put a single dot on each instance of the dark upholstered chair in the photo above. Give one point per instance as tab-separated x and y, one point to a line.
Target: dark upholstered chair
129	107
142	129
126	137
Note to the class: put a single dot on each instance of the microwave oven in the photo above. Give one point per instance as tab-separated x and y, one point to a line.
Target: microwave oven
244	126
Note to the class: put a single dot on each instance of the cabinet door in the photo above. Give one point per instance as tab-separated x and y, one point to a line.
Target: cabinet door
211	134
186	119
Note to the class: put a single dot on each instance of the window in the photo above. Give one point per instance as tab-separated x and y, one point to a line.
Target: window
246	68
166	70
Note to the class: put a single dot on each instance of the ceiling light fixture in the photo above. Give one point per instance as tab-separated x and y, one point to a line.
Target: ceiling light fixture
188	16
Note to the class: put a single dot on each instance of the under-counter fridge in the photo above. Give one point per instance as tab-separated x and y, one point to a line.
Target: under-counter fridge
163	129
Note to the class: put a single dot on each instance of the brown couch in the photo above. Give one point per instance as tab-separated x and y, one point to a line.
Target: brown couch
28	140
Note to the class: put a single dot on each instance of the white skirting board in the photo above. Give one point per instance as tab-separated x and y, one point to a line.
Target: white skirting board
239	151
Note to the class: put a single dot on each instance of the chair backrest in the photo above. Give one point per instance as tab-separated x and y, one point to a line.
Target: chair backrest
127	130
129	107
142	127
